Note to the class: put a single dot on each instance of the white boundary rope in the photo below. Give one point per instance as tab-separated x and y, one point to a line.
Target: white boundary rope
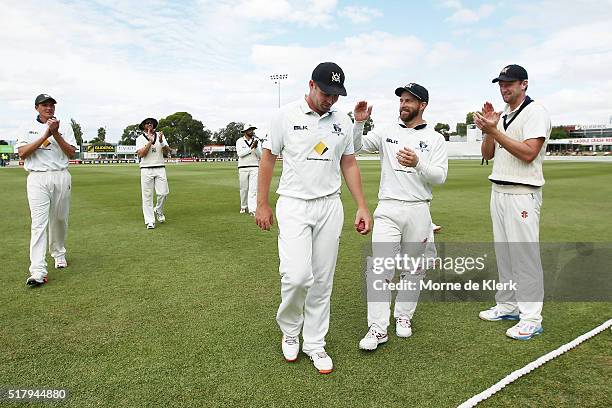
532	366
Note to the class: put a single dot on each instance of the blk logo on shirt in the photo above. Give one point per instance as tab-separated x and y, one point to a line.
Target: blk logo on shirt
297	127
524	214
389	140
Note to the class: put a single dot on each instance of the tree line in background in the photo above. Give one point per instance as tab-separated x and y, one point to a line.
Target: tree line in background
189	135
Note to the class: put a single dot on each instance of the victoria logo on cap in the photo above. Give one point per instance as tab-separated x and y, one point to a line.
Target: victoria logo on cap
335	77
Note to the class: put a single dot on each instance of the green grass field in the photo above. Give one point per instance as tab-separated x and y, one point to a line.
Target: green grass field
183	315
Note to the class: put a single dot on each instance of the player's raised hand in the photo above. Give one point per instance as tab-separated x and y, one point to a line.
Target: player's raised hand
161	136
362	111
487	123
53	124
488	110
407	157
264	218
363	221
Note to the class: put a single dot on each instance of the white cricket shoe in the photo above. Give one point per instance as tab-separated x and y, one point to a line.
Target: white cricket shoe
160	217
322	361
373	338
150	225
524	330
291	347
243	211
496	314
403	327
61	263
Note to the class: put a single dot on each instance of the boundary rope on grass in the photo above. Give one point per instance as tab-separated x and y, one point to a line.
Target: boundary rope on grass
532	366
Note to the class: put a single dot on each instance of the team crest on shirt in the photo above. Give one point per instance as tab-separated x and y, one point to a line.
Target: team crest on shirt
423	146
337	129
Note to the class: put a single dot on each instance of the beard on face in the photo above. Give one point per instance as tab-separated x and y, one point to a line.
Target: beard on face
407	115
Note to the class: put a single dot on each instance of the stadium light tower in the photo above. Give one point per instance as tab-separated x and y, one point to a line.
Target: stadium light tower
277	78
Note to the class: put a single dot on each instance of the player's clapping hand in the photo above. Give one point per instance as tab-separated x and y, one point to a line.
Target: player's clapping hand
53	125
255	143
407	157
363	221
488	111
161	137
151	137
362	111
487	120
264	217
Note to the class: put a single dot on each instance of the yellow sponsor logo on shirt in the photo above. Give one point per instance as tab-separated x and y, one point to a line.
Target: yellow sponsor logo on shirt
320	148
46	143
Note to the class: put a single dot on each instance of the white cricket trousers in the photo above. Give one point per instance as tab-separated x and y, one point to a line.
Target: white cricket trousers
49	200
248	187
516	232
405	228
153	178
309	234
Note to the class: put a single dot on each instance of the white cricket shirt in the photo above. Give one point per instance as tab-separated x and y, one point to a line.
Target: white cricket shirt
49	156
311	146
155	156
533	122
399	182
247	155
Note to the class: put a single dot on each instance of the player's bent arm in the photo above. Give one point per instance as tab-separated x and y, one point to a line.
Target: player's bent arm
368	143
487	148
26	151
68	149
526	150
242	149
144	151
352	177
435	171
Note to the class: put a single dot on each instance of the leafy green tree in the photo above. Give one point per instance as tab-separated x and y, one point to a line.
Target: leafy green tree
229	134
469	118
185	133
442	128
461	129
559	132
101	138
130	134
78	132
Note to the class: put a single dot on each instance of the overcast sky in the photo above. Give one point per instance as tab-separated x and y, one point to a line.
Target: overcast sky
113	63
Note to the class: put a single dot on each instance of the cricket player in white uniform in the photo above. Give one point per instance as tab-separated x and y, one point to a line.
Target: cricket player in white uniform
46	146
248	148
518	144
413	158
150	147
316	144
